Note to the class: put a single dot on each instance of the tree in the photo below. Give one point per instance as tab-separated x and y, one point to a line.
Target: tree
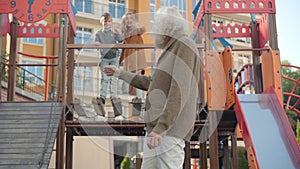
287	87
242	158
291	73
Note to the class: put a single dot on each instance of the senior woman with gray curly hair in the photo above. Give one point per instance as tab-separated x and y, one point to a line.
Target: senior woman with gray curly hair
170	105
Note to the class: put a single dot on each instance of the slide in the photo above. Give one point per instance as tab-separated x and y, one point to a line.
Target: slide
266	131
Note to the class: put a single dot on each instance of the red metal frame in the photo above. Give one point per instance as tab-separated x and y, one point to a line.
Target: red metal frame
248	80
5	24
292	66
47	31
245	6
230	31
244	84
233	7
291	93
294	107
36	56
198	19
263	33
58	7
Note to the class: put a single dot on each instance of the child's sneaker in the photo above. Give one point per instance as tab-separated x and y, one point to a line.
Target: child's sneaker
120	118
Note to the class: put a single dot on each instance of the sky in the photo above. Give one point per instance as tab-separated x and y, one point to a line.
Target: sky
288	30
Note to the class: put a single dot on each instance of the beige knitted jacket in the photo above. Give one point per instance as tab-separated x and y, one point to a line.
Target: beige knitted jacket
170	105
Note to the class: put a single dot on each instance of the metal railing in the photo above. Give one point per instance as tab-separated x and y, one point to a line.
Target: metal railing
25	80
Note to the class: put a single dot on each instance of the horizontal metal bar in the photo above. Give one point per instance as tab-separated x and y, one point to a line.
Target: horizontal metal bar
88	64
36	64
251	49
121	125
96	125
116	46
37	56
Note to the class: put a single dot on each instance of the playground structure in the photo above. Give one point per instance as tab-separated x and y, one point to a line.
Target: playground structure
252	112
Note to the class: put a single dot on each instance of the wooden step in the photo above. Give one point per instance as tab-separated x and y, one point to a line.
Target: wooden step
27	133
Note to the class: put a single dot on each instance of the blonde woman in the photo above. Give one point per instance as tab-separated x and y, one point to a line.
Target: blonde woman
133	59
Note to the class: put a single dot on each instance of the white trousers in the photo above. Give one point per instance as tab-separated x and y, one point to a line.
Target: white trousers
169	155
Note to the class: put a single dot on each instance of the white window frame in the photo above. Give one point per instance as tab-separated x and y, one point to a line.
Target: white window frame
36	68
116	4
84	5
152	5
85	31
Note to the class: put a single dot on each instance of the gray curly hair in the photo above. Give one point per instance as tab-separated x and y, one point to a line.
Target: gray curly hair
169	22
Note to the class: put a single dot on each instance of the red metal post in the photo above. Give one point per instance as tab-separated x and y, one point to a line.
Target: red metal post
47	80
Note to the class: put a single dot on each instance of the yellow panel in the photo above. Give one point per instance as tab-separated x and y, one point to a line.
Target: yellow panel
216	82
271	72
238	132
251	159
228	70
33	49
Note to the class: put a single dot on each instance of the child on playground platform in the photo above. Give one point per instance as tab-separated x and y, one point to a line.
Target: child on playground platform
108	35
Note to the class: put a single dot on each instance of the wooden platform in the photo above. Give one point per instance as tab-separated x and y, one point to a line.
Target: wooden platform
135	127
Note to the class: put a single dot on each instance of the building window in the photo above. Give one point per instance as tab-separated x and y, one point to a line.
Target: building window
83	79
33	74
248	40
38	41
152	12
84	36
240	62
116	8
85	6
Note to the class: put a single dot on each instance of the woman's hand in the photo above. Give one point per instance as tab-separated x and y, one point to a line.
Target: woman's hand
116	29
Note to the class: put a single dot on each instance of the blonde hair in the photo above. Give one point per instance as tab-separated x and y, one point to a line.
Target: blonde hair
105	16
135	25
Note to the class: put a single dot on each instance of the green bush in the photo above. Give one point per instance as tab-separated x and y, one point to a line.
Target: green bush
125	164
242	159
